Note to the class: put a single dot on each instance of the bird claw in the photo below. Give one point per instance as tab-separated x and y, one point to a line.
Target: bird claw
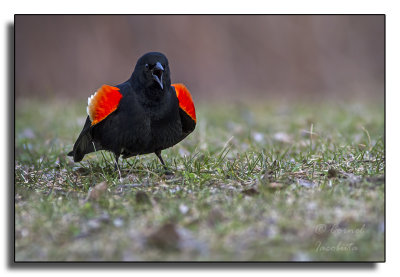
168	173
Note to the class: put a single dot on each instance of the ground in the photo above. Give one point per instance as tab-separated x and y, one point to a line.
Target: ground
263	181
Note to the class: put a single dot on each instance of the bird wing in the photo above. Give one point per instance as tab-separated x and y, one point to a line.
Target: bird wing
187	110
102	103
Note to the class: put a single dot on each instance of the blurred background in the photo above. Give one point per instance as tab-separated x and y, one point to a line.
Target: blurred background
267	56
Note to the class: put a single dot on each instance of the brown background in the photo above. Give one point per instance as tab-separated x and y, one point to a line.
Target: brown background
334	56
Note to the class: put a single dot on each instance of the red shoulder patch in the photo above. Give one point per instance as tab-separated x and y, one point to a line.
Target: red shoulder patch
185	100
103	102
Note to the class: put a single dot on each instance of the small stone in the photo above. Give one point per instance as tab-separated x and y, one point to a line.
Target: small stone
332	173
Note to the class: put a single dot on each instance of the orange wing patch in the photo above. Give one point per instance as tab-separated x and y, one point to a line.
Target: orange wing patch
103	102
185	100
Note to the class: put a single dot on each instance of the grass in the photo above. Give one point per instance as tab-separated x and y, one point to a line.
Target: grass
261	182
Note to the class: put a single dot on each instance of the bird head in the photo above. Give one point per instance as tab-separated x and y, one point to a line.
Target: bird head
152	74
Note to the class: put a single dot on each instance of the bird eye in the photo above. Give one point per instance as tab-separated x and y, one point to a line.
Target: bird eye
147	66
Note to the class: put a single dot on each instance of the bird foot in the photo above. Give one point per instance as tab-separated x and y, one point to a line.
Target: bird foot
168	172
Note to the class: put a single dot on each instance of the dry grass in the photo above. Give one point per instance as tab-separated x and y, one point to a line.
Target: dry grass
265	182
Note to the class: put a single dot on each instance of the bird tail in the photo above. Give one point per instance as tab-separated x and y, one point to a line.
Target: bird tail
84	144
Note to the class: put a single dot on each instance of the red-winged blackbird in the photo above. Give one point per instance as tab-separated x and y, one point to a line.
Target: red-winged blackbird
145	114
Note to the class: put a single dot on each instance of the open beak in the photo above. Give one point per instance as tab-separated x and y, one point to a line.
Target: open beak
157	73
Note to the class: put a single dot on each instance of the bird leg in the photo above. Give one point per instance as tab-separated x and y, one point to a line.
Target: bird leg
117	166
158	153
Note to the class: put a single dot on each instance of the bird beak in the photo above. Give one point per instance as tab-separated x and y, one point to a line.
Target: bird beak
157	73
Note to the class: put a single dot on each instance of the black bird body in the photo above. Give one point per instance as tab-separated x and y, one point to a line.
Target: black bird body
148	118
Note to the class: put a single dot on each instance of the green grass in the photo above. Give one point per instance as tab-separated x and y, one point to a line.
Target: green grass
265	182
